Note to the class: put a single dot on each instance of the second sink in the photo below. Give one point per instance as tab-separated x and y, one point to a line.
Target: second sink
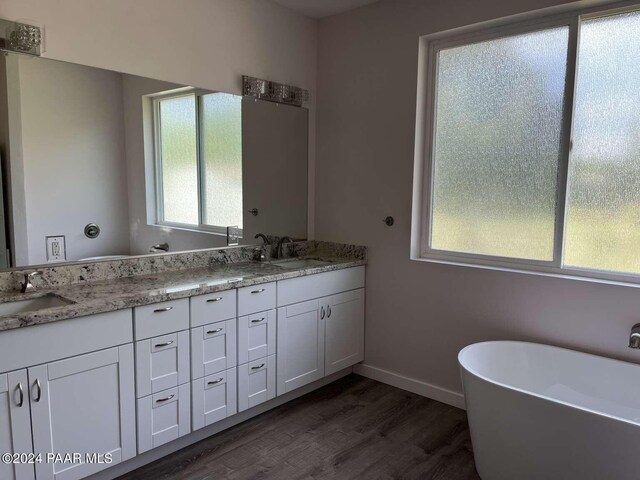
302	263
31	304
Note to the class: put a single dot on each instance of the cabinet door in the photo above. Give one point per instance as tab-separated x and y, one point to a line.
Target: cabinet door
256	336
162	362
256	382
214	398
300	348
83	405
344	330
213	348
15	424
163	417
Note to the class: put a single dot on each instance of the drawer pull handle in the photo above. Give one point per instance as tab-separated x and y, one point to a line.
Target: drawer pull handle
321	313
165	344
39	390
257	320
257	367
214	331
213	382
217	299
160	400
160	310
328	311
21	391
260	290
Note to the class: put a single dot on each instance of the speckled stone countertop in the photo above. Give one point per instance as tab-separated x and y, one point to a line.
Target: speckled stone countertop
126	292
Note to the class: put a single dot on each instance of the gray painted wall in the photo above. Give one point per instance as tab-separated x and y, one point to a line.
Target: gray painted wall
419	315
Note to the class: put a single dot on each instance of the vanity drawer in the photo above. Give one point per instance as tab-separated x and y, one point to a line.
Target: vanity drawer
213	348
257	298
214	398
256	336
309	287
163	417
162	362
213	307
256	382
161	318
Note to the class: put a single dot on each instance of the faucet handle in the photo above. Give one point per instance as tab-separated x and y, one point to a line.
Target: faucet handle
634	337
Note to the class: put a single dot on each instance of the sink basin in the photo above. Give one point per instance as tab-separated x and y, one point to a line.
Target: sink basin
32	304
304	263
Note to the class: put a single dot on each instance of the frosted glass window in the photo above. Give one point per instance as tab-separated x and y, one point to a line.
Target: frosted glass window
497	145
603	209
221	133
179	169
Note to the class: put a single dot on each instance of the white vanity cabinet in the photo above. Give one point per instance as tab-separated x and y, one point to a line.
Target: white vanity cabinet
84	405
214	384
66	398
163	372
344	330
301	334
256	345
15	424
320	326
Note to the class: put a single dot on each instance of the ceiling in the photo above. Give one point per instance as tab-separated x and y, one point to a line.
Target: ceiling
322	8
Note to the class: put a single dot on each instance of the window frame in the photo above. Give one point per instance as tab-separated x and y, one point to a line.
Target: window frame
201	227
426	115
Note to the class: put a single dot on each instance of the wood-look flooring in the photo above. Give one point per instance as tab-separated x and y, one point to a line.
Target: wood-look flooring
354	428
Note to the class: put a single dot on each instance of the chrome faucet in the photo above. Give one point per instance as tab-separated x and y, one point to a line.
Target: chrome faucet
26	285
279	245
634	338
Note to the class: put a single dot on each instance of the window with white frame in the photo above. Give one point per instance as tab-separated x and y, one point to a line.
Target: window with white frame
198	158
532	146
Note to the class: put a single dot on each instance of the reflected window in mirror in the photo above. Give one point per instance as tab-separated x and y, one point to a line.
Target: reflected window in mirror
198	160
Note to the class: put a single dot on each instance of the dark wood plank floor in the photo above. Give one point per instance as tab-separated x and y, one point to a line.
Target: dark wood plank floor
354	428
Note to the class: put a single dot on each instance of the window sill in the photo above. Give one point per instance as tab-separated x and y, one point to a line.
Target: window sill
189	229
590	277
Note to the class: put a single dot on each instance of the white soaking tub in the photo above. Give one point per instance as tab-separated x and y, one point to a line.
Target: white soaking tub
538	412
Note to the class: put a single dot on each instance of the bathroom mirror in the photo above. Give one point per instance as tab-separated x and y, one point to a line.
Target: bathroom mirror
98	164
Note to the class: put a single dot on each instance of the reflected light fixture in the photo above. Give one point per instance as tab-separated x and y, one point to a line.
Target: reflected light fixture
273	91
22	36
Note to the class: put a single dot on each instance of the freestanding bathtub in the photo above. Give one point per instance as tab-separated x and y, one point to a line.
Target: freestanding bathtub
538	412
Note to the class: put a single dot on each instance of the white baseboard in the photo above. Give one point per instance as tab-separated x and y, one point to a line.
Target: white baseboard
411	385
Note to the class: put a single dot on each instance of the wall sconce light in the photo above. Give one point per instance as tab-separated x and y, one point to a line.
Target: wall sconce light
22	36
273	91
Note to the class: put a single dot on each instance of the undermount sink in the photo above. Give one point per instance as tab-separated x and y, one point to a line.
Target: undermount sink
303	263
32	304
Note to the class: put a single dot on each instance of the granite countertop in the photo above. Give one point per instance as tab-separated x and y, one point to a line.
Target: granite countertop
127	292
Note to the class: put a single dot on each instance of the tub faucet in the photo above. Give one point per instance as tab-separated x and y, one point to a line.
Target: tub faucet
634	338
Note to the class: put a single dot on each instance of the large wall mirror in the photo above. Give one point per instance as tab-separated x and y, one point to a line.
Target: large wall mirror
99	164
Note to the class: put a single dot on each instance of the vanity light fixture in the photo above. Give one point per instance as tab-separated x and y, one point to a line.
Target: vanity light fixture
21	36
273	91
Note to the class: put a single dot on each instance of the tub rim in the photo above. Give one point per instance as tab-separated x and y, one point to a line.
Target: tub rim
538	395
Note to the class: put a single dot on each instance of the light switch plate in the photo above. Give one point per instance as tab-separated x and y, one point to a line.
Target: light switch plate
56	249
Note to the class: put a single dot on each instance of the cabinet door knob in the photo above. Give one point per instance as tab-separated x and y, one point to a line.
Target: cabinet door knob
160	400
160	310
216	330
257	367
321	313
38	390
258	291
21	397
257	320
217	299
328	311
165	344
213	382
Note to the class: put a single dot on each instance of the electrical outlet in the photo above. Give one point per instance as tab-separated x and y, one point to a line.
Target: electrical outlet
56	249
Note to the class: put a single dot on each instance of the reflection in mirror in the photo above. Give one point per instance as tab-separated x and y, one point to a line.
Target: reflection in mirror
98	164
